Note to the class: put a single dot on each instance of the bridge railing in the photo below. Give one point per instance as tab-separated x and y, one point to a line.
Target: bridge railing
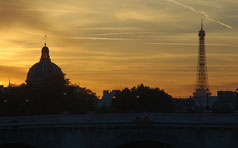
92	119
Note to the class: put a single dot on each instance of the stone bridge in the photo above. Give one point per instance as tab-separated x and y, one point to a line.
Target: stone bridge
120	131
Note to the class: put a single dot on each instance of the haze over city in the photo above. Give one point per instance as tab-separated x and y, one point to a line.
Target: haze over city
111	44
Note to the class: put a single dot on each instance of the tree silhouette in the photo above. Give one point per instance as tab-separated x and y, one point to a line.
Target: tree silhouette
142	99
55	97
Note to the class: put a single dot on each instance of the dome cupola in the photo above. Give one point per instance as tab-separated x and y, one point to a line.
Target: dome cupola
44	71
45	53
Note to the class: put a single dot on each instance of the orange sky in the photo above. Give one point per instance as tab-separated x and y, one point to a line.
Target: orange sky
111	44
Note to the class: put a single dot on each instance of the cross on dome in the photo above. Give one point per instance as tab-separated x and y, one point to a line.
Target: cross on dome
45	39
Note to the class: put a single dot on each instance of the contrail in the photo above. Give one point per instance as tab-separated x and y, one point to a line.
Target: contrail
201	12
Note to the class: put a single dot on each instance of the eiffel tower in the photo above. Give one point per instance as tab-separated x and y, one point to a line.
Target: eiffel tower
202	86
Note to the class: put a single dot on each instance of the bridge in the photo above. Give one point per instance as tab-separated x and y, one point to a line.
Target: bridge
120	131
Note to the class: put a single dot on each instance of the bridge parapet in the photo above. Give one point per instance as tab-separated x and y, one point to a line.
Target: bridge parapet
97	119
112	130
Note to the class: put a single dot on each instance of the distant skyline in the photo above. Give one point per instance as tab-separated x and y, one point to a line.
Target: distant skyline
111	44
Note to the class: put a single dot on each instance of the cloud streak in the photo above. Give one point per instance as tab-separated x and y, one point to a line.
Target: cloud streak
100	38
184	44
201	12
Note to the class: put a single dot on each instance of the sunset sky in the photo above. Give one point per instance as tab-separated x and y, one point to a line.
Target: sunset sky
112	44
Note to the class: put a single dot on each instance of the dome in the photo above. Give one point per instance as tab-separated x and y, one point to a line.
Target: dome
43	71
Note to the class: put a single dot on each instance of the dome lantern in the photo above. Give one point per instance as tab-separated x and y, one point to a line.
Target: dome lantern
45	53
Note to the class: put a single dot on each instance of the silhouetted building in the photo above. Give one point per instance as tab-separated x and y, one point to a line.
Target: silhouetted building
107	97
1	88
202	87
204	101
43	71
181	104
226	97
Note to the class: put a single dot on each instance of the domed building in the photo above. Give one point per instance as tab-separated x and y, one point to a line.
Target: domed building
44	71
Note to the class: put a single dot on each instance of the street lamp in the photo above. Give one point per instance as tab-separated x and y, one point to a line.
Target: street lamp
236	91
207	91
27	106
64	93
5	107
65	104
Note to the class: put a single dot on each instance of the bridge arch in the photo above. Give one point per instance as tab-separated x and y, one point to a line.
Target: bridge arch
146	144
16	145
136	140
130	137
